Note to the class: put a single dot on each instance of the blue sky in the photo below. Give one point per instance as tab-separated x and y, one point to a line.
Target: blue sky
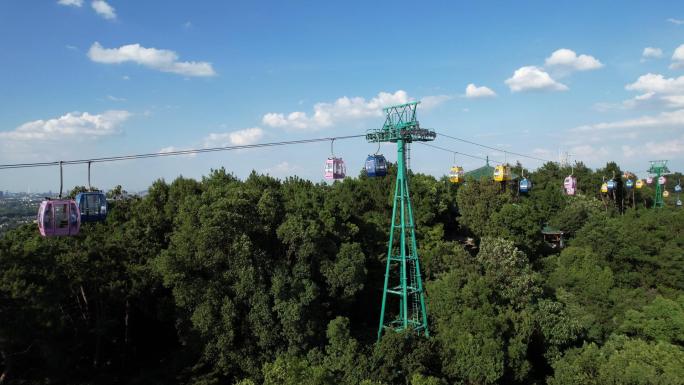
83	78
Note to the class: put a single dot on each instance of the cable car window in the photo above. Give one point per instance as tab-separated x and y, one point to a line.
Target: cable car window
61	216
73	218
92	204
47	217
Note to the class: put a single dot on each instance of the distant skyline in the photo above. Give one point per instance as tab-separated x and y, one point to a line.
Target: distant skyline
603	81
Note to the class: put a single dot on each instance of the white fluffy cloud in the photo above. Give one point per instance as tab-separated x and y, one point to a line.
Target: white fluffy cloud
656	91
675	21
71	3
668	147
328	114
71	126
652	53
678	58
567	59
657	83
533	78
588	152
666	119
235	138
472	91
103	9
429	102
160	59
282	169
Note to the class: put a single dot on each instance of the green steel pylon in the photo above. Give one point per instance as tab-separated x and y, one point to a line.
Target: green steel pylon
658	168
402	274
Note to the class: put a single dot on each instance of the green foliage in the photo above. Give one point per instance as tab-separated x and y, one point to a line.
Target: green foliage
440	257
390	362
651	260
558	329
584	284
621	360
264	281
477	202
578	211
419	379
292	370
346	275
661	320
344	359
509	272
520	224
491	327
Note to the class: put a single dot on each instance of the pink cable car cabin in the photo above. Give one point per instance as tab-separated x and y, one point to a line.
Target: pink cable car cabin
59	217
334	168
570	185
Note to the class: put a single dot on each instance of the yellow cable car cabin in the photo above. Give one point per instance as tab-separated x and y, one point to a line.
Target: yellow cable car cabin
456	174
604	188
639	183
502	173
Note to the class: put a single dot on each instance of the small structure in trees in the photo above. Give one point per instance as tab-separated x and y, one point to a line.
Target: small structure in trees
553	237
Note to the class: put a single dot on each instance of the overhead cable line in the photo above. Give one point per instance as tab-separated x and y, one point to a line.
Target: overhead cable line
174	153
460	153
493	148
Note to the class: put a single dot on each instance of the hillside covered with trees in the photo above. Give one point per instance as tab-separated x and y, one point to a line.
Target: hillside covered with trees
264	281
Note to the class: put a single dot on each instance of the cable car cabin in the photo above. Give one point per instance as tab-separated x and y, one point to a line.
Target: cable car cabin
376	166
679	203
570	184
639	184
334	168
678	188
649	180
92	205
502	173
604	188
525	185
666	194
456	174
611	185
58	217
629	184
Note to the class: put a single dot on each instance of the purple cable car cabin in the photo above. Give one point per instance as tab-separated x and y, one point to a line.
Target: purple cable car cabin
334	168
59	217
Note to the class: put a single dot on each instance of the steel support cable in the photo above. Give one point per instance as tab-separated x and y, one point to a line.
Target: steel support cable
460	153
493	148
174	153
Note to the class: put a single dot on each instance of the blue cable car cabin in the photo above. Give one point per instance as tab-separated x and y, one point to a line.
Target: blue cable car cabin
376	166
629	184
525	185
93	206
611	185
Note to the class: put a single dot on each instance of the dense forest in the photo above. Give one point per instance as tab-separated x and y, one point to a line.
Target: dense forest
263	281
